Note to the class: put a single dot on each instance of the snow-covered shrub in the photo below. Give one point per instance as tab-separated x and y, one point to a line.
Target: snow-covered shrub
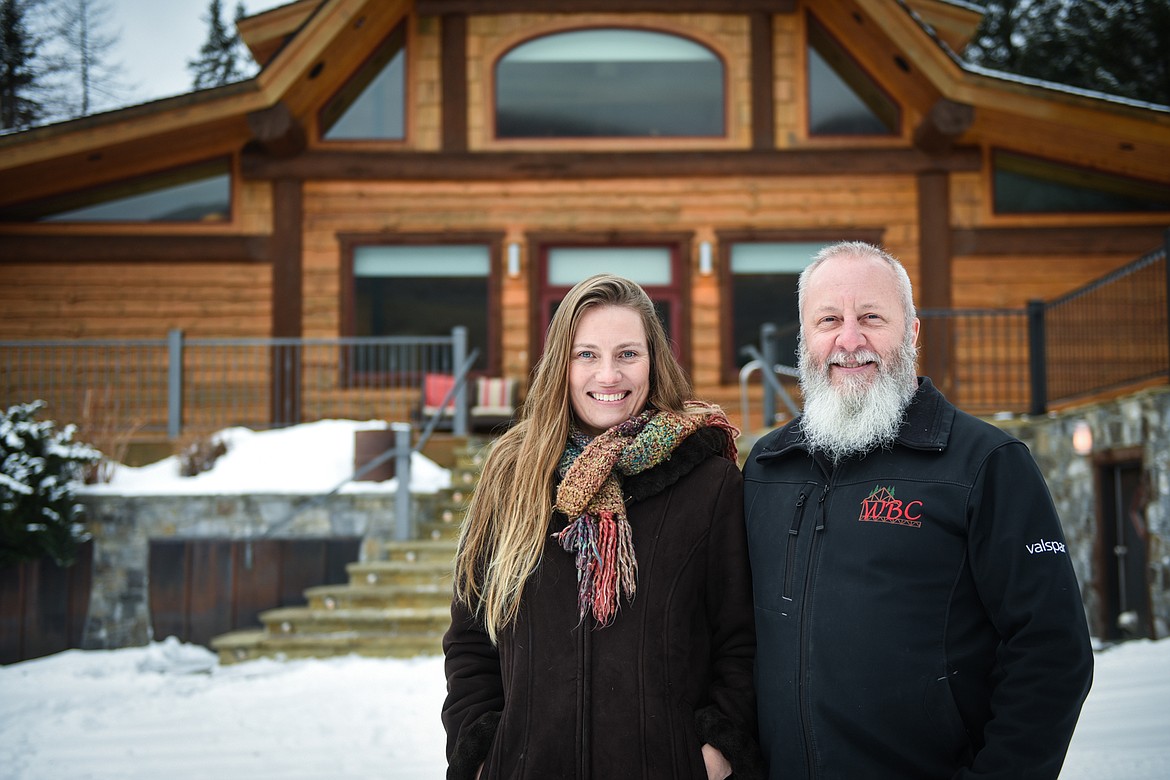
38	468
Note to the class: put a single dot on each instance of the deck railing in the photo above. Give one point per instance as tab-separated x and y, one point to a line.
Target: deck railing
181	386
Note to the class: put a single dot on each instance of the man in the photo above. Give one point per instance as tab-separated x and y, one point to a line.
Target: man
917	615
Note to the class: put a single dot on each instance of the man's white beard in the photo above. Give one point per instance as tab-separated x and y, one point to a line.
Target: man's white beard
858	416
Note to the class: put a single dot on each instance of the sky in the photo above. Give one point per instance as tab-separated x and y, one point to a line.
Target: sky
170	710
157	37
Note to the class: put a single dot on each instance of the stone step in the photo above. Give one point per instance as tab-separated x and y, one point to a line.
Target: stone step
250	644
398	621
438	531
329	597
366	573
421	551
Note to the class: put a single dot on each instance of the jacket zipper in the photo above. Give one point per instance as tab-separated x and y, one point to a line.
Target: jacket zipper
790	554
583	765
805	712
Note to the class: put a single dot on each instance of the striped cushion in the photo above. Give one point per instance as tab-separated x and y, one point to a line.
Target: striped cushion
494	395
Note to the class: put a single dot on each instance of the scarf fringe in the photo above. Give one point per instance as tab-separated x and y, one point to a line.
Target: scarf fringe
599	536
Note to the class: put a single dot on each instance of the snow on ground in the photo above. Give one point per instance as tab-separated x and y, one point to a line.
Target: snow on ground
169	710
310	458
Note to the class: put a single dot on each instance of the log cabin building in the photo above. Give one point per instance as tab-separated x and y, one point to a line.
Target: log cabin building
412	165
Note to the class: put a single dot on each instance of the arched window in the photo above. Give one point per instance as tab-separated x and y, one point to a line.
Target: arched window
609	83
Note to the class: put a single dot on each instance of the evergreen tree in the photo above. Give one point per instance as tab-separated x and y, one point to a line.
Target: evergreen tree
38	468
1113	46
221	57
18	68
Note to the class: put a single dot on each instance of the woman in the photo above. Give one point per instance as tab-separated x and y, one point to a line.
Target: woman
602	622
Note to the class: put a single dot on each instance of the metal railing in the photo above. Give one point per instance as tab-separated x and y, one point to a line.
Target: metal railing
196	386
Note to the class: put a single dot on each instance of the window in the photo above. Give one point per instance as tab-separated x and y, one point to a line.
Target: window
763	290
196	193
842	98
423	290
656	268
609	83
1030	185
372	105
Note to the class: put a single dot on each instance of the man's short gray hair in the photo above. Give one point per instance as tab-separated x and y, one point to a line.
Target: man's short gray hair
860	249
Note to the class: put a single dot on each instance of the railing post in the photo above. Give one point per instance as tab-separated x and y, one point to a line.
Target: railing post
174	383
403	525
1037	358
1166	274
768	353
458	357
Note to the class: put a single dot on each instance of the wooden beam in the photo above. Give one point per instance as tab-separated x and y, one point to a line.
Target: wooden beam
934	273
942	126
509	166
453	69
934	240
441	7
276	132
287	265
169	247
763	103
287	298
1106	239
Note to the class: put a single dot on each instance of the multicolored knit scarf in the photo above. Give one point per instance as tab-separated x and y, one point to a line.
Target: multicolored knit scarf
590	494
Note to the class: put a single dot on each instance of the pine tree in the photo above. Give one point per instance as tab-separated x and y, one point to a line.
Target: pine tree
1113	46
18	68
38	467
220	57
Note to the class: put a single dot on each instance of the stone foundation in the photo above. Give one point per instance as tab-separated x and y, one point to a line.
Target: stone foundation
123	527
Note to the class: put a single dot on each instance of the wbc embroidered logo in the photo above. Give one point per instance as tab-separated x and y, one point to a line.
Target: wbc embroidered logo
880	506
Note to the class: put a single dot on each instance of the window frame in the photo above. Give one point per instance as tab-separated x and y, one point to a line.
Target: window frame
726	239
360	71
34	211
494	241
1071	169
897	134
736	65
542	294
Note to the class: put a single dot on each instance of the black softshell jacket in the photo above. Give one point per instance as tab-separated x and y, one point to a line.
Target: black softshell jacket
917	614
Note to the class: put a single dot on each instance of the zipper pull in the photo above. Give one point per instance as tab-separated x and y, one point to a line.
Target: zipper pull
795	529
821	509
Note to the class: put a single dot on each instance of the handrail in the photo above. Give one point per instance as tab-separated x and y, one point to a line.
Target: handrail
771	383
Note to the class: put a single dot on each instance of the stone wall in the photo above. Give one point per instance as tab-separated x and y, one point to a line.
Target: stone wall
124	526
1137	427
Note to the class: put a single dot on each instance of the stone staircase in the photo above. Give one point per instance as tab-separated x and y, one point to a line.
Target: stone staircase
396	606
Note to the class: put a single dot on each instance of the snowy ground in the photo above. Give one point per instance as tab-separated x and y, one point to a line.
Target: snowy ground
170	710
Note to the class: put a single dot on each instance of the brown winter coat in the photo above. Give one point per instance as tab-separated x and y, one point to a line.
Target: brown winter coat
637	699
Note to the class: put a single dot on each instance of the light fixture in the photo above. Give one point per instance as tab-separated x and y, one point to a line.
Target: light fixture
1082	438
514	259
705	258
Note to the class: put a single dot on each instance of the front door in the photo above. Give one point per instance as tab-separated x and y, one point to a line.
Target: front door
658	268
1122	533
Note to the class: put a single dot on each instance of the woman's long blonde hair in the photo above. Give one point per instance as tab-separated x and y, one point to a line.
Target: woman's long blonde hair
507	522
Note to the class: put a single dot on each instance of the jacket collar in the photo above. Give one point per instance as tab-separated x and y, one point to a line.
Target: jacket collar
926	425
